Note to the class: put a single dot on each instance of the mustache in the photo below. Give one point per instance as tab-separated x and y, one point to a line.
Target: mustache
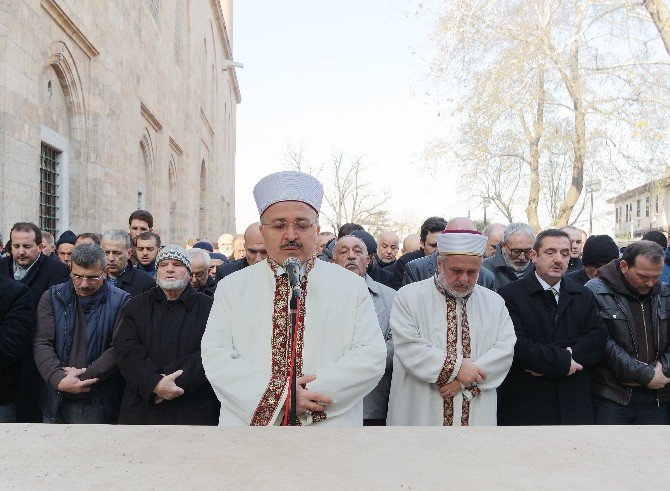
291	243
351	263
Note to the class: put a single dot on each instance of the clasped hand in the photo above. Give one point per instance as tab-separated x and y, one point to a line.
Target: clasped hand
71	382
166	389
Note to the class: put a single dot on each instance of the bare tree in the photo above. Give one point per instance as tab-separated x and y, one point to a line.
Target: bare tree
527	75
349	196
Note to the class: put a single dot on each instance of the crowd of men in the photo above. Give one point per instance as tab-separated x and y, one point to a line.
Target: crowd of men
451	327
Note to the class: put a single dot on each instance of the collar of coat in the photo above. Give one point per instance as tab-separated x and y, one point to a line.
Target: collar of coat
188	297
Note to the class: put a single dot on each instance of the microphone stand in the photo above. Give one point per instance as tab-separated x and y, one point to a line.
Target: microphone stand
293	309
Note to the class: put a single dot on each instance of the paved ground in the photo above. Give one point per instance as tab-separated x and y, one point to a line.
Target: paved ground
152	457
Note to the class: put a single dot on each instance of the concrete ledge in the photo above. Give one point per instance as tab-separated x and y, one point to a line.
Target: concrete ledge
123	457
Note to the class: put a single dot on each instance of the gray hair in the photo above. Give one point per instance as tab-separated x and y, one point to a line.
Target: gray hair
118	235
515	228
89	255
195	252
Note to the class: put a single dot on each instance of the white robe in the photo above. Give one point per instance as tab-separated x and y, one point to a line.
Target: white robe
419	330
343	344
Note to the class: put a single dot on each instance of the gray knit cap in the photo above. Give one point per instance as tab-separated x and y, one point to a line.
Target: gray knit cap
174	252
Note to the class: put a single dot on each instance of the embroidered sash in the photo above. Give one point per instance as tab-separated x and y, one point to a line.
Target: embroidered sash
281	346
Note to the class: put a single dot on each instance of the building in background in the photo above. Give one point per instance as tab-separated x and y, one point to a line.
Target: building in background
642	209
111	106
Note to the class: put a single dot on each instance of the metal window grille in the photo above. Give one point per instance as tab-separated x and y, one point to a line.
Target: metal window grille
637	209
49	189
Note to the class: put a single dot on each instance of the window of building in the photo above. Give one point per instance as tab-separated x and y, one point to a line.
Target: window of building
49	189
627	216
637	209
616	215
656	204
647	206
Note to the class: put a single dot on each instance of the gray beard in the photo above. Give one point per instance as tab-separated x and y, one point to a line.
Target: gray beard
172	285
515	267
452	293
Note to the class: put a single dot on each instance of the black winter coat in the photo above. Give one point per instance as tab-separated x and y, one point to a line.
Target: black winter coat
135	281
43	275
17	325
156	336
544	330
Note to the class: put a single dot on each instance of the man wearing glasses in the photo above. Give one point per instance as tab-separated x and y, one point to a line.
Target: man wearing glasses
200	279
72	345
340	353
511	260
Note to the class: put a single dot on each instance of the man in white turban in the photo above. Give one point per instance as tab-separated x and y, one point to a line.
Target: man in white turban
249	350
453	340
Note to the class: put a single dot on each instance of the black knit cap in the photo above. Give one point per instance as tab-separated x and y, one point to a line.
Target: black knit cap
368	240
67	237
599	249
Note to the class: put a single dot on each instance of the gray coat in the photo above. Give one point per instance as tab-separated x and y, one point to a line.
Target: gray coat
376	402
502	272
426	266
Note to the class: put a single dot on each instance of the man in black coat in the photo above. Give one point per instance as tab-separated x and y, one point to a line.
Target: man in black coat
427	246
17	323
157	347
39	273
598	251
560	337
254	252
118	249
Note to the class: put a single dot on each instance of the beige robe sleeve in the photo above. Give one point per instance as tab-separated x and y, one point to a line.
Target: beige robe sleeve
240	386
349	379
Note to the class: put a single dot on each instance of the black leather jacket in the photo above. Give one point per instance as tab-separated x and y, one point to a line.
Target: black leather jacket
620	364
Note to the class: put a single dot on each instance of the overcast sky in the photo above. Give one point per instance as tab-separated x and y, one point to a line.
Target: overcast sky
337	76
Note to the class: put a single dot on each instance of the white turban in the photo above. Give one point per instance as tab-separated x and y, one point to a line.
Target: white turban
461	242
288	186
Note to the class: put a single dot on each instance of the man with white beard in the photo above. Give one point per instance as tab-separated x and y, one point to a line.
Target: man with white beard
158	350
453	341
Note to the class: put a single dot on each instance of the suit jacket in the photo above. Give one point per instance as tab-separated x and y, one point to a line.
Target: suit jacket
229	268
426	266
544	330
375	404
398	268
135	281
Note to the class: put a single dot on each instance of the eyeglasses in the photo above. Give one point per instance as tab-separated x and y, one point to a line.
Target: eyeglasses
281	226
198	274
517	252
91	279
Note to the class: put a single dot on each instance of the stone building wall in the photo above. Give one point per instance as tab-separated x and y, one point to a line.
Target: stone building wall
139	101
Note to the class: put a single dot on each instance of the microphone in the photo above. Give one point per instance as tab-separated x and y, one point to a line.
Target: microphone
292	267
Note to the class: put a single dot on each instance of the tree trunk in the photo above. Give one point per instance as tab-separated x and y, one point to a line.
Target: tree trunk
574	85
660	14
538	128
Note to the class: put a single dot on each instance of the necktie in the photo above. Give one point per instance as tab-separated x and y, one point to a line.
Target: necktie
554	291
